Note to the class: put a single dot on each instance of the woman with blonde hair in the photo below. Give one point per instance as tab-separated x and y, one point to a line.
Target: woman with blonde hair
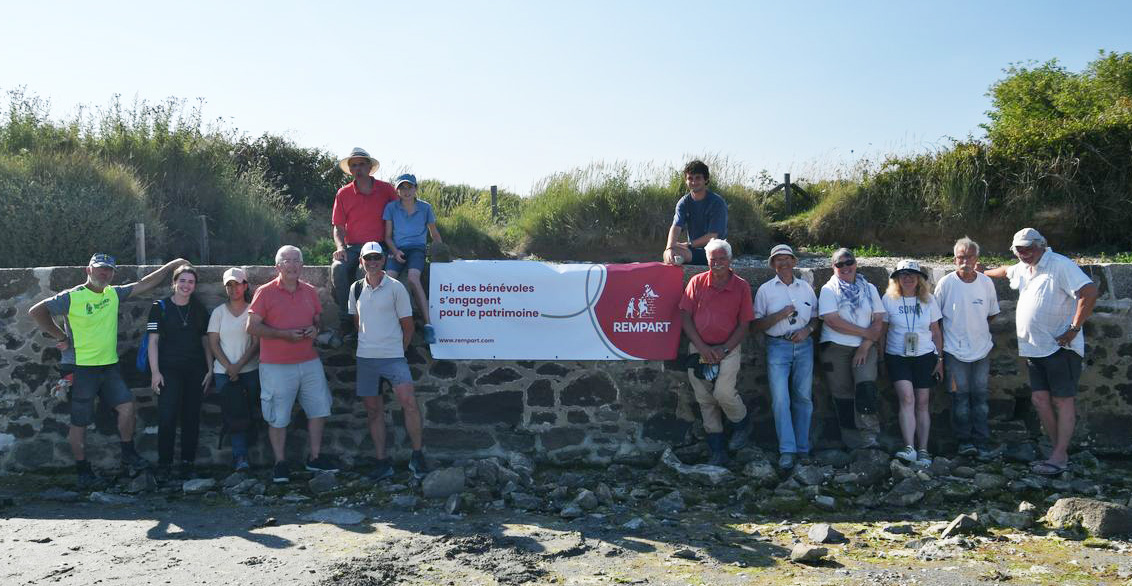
913	344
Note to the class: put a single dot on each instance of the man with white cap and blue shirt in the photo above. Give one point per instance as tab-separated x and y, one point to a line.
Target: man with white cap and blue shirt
1055	297
785	309
383	316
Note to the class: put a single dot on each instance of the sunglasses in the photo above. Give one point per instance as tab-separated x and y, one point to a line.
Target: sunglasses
845	263
372	257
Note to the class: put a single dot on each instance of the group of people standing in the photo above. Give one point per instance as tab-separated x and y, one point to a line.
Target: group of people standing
927	337
257	351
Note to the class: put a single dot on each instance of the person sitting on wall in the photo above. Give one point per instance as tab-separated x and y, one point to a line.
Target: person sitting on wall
786	309
408	224
913	345
854	315
968	302
1055	297
91	319
383	315
716	312
357	218
284	316
701	213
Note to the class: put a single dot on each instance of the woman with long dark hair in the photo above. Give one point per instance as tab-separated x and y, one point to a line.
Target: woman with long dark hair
236	369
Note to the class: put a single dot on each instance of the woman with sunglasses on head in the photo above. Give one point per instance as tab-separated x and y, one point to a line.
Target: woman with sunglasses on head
236	368
853	314
912	353
179	361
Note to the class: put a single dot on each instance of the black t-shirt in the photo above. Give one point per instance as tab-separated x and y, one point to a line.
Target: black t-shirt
179	329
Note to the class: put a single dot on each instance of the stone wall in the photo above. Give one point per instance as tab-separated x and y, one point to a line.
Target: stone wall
559	411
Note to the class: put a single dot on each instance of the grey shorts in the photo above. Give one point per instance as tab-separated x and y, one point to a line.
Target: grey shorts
1057	373
104	382
372	370
281	384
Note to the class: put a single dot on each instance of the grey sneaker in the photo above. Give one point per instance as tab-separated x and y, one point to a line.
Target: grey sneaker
968	450
923	458
242	464
908	454
382	471
786	461
417	464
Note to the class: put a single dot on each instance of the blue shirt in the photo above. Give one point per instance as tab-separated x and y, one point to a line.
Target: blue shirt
701	217
409	230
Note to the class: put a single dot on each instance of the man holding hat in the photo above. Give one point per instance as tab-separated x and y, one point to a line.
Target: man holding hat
357	219
1055	297
785	309
91	341
383	316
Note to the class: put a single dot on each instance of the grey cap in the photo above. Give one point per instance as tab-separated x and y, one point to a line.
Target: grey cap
781	249
1027	237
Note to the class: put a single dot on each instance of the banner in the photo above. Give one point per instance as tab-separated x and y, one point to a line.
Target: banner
526	310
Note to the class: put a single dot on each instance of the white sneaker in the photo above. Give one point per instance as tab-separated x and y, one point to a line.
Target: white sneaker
908	454
924	458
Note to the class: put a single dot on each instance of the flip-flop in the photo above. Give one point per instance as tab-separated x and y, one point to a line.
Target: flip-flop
1049	468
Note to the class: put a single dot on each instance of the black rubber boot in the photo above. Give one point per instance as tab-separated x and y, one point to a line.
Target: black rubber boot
717	443
741	433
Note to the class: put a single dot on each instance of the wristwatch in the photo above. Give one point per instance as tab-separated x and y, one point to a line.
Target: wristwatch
1074	328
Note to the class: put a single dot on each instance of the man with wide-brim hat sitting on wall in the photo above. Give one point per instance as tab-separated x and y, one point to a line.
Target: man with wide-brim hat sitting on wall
356	219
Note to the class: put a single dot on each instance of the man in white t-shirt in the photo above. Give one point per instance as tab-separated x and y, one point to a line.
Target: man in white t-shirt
968	301
1055	297
383	316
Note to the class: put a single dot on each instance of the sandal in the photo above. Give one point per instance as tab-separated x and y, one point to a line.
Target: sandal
1049	468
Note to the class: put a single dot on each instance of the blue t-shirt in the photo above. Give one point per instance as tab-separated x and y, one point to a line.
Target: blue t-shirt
409	230
700	217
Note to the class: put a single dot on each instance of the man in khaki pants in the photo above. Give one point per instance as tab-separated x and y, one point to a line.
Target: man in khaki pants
716	310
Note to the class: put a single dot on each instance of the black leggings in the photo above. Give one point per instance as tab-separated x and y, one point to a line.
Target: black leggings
179	401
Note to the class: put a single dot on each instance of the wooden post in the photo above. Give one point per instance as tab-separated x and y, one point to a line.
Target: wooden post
203	239
139	242
494	202
789	204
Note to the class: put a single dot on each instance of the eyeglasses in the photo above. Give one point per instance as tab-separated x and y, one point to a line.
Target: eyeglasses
845	263
372	257
794	317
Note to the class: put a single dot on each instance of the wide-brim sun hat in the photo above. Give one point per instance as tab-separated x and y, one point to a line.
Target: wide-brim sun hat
359	152
781	249
908	266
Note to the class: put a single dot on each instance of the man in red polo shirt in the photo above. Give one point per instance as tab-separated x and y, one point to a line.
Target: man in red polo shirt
357	219
716	310
284	315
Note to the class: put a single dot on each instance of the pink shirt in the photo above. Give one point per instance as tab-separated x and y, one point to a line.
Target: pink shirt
361	213
717	312
284	310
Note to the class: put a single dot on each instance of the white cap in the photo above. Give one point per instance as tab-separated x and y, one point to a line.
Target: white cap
371	248
235	274
1027	237
908	266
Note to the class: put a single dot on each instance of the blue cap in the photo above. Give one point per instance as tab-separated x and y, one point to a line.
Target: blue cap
102	260
405	178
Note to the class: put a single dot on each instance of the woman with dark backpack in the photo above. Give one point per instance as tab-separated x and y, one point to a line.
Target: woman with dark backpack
179	360
237	362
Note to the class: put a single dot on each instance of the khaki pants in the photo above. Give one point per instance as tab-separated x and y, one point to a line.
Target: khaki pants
857	430
720	395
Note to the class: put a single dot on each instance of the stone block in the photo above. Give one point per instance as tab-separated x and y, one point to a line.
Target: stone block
577	417
541	417
445	369
540	394
590	390
457	439
561	437
505	407
665	427
440	410
553	369
498	376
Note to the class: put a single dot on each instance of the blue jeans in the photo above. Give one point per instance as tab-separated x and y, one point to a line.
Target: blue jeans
239	439
967	383
790	370
343	273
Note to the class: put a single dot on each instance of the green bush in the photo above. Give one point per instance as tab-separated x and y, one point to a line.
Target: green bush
58	210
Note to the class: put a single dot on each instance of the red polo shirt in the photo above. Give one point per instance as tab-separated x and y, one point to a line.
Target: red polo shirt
716	312
284	310
361	212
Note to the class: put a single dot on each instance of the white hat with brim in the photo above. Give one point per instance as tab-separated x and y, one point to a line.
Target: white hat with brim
908	266
781	249
234	274
1027	237
357	153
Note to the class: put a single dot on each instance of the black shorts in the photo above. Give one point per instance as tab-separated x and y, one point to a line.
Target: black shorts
1057	373
916	369
104	382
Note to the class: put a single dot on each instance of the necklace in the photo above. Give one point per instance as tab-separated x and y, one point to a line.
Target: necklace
183	314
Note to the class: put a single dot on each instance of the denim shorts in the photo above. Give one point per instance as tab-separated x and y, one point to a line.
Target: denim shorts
104	382
372	370
281	384
1057	373
414	259
915	369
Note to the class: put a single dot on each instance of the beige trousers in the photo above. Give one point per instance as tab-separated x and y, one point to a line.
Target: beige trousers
719	397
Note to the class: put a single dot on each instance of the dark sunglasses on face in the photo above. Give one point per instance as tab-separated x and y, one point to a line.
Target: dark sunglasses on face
845	263
372	257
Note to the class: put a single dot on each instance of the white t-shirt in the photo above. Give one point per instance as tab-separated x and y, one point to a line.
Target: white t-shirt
1047	301
830	301
234	338
965	308
380	310
909	314
773	295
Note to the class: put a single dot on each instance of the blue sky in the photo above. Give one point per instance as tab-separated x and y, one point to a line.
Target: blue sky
507	93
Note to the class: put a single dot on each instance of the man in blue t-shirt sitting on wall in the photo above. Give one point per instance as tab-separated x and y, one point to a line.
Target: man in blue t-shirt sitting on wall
701	213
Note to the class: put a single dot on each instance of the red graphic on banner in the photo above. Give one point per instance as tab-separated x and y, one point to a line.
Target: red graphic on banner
638	309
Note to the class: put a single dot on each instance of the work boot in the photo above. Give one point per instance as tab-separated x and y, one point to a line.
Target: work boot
718	446
741	433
